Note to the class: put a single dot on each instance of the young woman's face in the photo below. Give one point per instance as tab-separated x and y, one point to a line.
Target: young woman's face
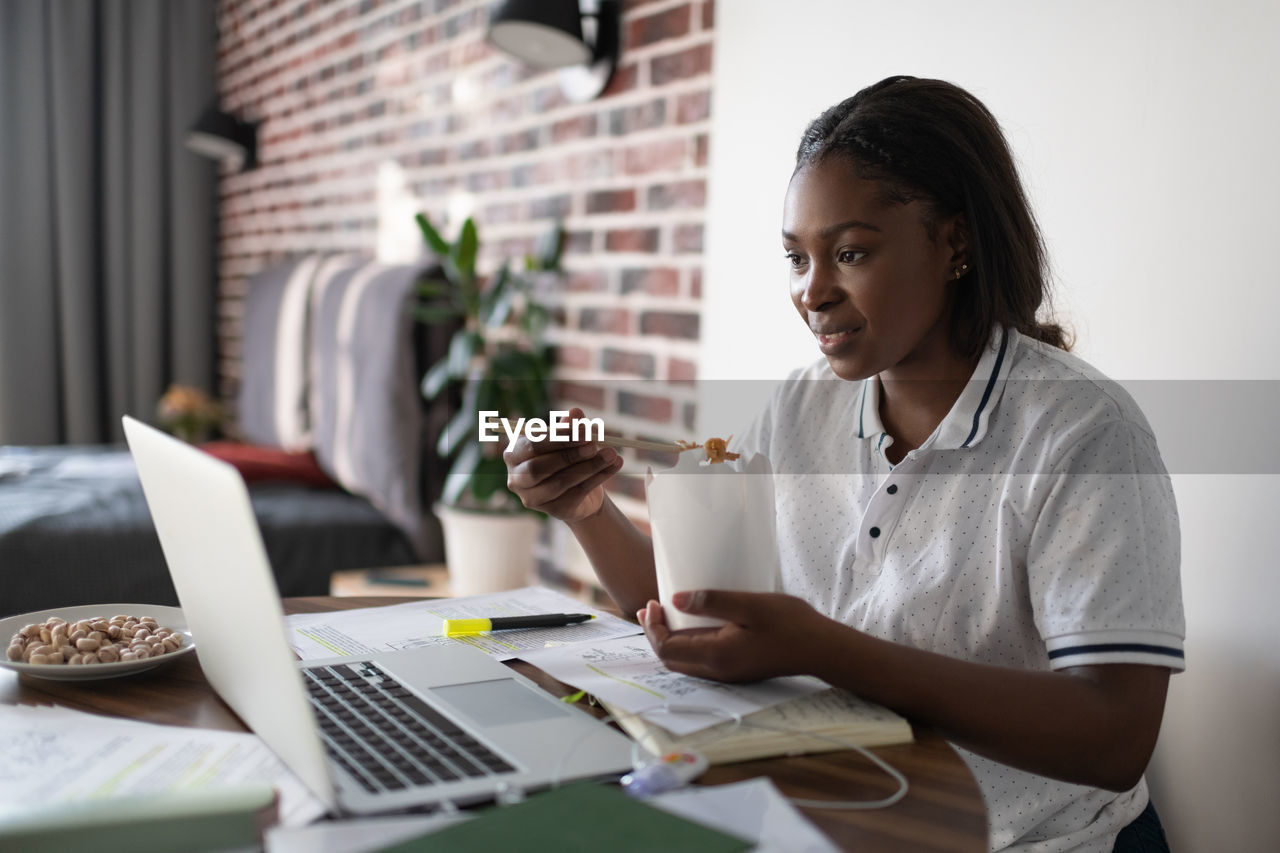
865	275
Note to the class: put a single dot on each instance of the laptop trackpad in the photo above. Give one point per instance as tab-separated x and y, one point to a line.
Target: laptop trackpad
499	703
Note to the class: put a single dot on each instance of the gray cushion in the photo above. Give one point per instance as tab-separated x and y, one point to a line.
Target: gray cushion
365	407
272	403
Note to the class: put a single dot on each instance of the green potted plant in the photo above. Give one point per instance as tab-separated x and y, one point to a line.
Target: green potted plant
497	361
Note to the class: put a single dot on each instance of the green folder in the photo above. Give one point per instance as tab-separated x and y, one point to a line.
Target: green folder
584	817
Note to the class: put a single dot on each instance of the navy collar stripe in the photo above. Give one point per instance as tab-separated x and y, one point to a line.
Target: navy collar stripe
1115	647
991	384
862	407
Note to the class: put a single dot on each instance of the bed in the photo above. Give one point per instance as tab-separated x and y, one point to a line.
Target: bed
331	364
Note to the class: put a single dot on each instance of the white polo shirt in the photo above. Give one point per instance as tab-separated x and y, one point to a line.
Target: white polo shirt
1035	528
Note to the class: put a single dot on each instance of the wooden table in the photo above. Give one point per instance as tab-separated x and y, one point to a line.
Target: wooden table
942	811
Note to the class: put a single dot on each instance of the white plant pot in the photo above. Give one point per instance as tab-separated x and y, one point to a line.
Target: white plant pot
488	551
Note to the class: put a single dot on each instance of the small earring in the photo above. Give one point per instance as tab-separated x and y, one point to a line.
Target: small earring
962	270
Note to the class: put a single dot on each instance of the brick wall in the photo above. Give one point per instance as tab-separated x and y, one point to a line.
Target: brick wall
354	92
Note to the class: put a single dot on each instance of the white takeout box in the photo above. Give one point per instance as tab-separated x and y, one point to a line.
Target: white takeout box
713	527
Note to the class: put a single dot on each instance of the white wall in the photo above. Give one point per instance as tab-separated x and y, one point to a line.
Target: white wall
1148	134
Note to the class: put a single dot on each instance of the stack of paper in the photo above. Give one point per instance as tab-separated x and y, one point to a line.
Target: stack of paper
54	755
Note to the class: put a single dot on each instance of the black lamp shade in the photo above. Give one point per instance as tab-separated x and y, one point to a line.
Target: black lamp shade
543	33
222	136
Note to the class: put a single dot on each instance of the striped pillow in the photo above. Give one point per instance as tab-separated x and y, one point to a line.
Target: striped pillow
365	407
272	402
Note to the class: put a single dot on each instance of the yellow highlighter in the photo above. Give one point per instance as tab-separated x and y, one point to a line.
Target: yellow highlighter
469	627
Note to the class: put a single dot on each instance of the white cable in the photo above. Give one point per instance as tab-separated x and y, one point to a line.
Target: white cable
738	721
892	771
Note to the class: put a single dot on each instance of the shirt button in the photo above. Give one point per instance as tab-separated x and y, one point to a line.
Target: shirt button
875	531
893	490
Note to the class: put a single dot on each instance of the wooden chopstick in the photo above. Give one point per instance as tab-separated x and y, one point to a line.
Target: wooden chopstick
639	444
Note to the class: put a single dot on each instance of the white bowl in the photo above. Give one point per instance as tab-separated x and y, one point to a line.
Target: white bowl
168	617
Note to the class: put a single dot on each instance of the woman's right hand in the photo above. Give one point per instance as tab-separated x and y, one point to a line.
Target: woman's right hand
563	479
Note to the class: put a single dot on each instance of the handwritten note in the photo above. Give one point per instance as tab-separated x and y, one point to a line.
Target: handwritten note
57	755
627	674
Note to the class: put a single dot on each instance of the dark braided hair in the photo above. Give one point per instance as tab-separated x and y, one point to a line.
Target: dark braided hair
931	141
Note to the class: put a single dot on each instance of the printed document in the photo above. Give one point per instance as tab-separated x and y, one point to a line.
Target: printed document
419	623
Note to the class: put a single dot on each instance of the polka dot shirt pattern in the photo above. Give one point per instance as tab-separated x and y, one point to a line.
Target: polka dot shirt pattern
1035	528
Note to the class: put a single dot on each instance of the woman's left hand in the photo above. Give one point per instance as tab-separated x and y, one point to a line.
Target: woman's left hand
765	635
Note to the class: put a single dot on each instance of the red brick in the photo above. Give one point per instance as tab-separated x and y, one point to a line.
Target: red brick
555	207
690	62
578	394
630	363
709	15
669	24
580	127
683	195
624	80
579	358
588	282
611	201
474	150
670	324
578	242
687	239
695	284
631	240
646	406
670	155
590	165
525	140
644	116
432	157
695	106
679	370
662	281
533	174
479	182
611	320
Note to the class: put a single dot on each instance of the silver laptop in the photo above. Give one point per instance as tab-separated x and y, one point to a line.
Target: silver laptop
374	733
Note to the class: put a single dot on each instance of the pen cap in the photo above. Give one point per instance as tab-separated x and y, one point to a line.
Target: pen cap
463	627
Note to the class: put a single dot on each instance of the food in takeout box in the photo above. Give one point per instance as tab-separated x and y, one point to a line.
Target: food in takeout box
717	449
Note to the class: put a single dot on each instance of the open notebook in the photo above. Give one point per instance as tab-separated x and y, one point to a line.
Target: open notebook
836	717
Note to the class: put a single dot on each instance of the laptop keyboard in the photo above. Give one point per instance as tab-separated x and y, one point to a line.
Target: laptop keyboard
386	737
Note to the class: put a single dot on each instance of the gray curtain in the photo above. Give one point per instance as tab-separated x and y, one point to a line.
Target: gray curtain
107	223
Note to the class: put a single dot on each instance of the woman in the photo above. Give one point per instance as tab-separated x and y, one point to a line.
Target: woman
975	527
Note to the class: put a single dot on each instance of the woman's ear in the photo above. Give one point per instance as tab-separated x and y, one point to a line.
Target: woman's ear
955	231
958	239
